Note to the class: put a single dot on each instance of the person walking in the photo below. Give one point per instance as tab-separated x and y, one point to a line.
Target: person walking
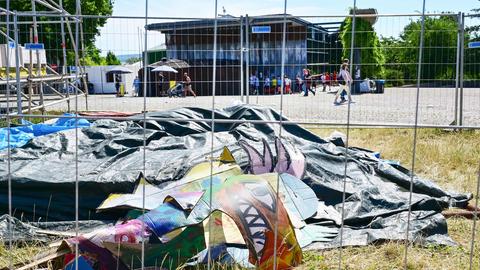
287	83
253	84
188	85
257	85
136	86
299	83
117	85
344	80
328	81
323	78
274	85
306	83
266	85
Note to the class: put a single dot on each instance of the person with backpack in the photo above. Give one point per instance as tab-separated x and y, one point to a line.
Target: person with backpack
344	80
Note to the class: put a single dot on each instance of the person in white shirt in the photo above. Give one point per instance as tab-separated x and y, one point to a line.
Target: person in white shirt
345	82
323	78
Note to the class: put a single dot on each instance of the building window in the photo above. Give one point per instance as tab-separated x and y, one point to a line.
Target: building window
111	77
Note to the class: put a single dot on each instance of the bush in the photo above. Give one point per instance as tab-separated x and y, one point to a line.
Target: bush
394	77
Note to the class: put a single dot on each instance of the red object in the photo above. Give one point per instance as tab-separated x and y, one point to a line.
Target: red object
269	90
107	114
68	258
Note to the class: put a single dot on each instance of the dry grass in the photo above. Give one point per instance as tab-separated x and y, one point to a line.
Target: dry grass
452	160
19	254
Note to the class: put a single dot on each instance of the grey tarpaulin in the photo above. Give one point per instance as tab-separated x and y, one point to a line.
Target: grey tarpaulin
110	159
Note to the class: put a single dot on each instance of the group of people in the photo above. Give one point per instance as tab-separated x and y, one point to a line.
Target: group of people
260	85
307	82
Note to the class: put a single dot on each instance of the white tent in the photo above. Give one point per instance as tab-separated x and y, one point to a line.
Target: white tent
104	82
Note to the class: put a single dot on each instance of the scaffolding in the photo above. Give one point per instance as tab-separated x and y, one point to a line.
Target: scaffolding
33	76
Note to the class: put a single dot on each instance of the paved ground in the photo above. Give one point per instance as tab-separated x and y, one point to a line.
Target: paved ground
396	105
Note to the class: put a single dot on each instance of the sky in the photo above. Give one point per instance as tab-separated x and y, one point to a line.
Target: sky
122	36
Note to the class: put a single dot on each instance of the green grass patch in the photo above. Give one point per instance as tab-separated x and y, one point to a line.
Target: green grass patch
452	160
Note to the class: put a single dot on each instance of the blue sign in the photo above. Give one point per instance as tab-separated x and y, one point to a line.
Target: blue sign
261	29
11	45
73	68
474	44
34	46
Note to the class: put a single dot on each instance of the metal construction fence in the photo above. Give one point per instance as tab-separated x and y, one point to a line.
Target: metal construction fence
409	71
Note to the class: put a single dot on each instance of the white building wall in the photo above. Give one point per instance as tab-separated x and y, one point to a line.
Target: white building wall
97	76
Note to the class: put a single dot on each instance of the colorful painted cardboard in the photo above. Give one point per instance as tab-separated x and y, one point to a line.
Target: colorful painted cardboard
227	209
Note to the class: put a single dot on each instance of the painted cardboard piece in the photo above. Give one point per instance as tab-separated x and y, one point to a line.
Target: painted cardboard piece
225	210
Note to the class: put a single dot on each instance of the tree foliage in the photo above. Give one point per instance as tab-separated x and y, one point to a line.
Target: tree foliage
49	34
439	50
133	60
475	28
111	59
371	57
392	49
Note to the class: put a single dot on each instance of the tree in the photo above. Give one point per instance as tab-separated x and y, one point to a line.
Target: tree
439	51
475	28
50	33
392	49
111	59
366	40
472	56
93	57
133	60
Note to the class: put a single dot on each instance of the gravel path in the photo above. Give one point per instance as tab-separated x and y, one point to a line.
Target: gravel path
396	105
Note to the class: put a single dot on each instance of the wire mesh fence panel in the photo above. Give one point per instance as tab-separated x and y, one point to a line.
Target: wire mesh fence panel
470	71
160	142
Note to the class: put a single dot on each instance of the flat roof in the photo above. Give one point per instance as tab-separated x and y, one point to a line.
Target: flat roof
227	21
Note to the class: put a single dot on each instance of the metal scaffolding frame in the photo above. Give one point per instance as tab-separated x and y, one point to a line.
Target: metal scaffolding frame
36	101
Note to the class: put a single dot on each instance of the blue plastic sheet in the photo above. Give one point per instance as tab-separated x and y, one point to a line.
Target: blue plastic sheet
21	135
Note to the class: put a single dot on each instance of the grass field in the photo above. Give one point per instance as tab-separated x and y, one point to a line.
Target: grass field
450	158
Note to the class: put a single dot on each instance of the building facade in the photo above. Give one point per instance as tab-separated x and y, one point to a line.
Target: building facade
307	46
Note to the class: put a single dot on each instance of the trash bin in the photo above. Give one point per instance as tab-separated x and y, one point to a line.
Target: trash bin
90	88
380	86
356	87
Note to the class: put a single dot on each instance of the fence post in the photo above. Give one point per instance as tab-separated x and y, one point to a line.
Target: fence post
17	63
462	64
247	61
64	55
241	58
457	66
